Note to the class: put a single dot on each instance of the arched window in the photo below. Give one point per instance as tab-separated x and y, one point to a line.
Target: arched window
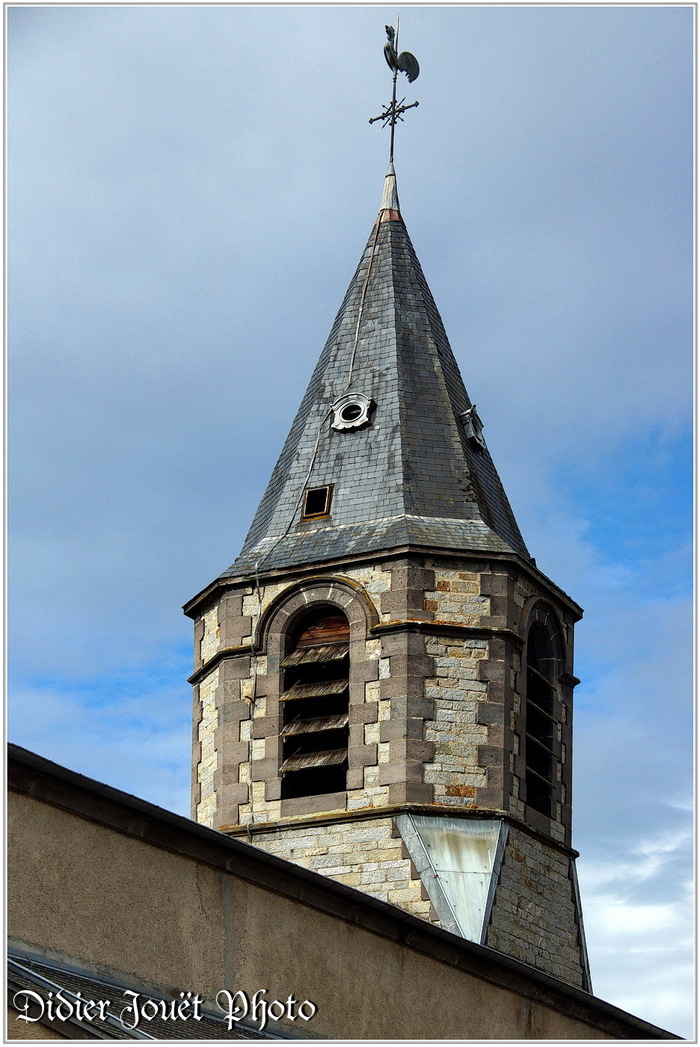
540	724
315	705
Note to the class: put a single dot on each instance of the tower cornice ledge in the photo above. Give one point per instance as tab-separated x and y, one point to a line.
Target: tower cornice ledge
279	574
335	817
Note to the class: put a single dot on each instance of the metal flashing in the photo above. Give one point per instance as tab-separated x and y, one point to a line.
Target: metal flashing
458	861
495	875
420	857
587	984
390	195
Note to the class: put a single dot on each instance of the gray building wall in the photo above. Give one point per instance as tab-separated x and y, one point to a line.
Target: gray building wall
120	887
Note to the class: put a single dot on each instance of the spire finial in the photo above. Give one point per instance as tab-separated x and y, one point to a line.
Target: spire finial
389	207
405	63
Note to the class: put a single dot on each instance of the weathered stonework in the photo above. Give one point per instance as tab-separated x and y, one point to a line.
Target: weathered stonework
366	854
208	757
435	717
535	916
456	734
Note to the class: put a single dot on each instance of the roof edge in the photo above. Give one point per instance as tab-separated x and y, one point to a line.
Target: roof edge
227	579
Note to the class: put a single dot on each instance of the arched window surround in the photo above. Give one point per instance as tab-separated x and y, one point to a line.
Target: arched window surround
315	704
543	713
274	638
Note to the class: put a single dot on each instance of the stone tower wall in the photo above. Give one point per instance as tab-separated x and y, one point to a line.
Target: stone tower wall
454	729
535	915
436	693
367	854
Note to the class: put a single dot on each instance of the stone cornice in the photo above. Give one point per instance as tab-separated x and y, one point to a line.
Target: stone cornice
218	658
390	811
439	628
193	606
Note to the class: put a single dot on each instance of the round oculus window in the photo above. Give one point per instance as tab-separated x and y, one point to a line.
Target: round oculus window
351	411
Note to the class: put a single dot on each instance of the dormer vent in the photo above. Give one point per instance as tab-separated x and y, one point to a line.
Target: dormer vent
317	502
473	426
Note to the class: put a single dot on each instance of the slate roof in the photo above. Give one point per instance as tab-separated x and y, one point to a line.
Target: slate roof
413	477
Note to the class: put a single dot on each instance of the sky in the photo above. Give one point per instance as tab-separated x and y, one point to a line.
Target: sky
189	191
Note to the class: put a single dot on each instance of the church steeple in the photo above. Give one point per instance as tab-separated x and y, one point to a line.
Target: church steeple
413	468
383	679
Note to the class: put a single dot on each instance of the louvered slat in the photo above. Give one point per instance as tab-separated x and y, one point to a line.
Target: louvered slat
321	723
331	652
304	761
327	689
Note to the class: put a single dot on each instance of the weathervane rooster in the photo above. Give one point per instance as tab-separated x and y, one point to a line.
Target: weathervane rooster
405	62
399	63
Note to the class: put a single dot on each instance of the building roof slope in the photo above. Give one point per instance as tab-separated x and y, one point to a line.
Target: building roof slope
417	474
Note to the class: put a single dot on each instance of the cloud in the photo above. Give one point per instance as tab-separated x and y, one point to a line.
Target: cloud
639	935
137	740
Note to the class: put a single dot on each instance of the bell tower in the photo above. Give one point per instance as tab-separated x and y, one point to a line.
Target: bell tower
383	685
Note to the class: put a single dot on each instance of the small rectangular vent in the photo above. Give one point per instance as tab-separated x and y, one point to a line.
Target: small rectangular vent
317	502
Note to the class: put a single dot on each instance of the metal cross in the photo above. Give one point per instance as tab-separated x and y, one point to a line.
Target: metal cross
405	63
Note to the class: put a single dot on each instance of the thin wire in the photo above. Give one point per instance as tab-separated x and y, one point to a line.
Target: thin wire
362	305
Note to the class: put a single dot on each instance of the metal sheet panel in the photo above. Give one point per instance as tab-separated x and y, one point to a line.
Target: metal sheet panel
457	860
